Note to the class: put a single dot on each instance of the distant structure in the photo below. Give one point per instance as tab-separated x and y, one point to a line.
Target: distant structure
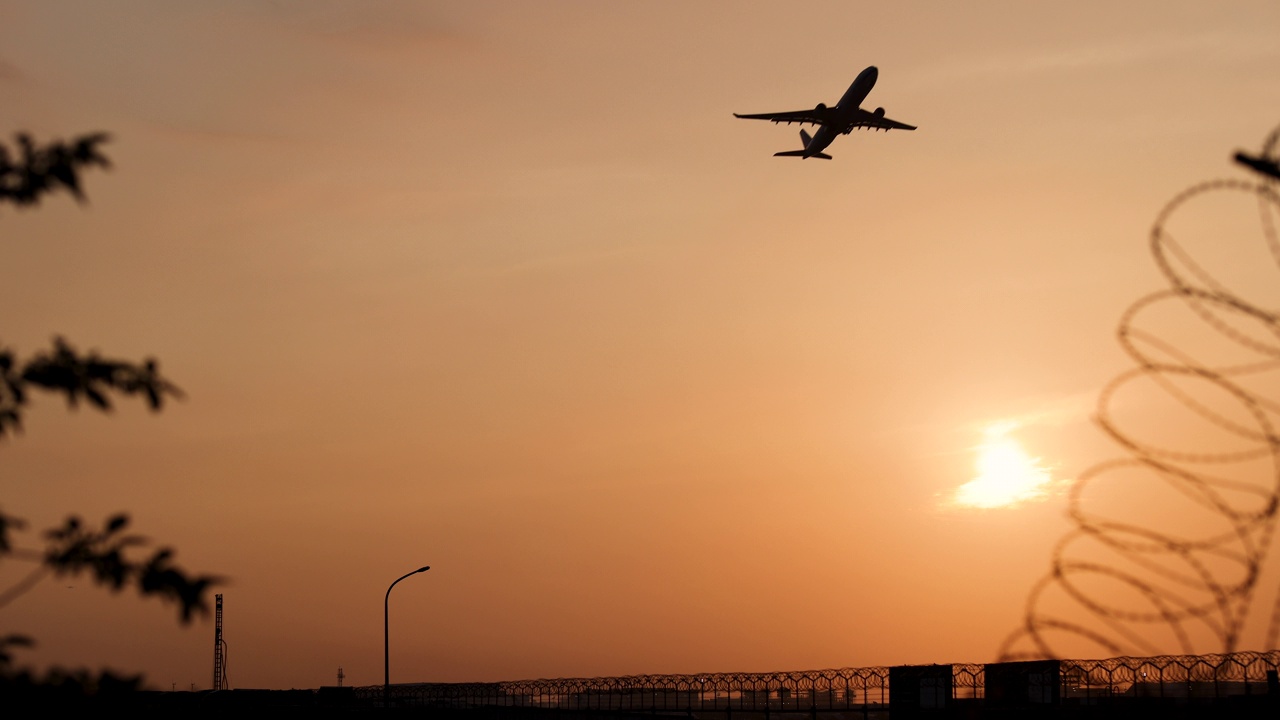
1235	685
340	676
219	648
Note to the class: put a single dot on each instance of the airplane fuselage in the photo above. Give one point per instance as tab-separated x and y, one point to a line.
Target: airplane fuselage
843	111
840	119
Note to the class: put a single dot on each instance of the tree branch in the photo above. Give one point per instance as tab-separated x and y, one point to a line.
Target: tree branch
63	370
40	170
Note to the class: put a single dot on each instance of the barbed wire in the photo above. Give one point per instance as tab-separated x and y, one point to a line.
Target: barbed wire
840	689
1179	567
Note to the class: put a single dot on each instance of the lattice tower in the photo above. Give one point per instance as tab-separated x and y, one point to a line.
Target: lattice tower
219	656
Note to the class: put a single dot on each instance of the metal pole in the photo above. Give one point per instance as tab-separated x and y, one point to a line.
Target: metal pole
386	638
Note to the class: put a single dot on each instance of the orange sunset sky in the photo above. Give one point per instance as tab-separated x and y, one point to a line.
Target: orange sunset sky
505	289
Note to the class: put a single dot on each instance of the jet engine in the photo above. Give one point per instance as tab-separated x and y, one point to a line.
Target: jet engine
879	112
820	108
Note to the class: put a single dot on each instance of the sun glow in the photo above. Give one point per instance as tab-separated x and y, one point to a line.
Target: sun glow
1007	476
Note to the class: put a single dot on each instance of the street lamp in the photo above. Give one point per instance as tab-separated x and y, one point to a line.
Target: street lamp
386	638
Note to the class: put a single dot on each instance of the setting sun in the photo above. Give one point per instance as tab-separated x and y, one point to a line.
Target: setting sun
1007	476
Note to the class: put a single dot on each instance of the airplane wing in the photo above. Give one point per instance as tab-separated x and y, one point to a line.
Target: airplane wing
875	120
812	116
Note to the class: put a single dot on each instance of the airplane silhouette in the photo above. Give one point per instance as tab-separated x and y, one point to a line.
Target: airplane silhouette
841	119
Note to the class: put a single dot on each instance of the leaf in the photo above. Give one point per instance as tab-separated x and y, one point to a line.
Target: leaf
116	522
7	523
41	169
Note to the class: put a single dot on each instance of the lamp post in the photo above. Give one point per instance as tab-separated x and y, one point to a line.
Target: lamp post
386	638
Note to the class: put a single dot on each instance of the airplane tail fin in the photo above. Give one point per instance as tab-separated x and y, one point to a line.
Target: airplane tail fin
804	138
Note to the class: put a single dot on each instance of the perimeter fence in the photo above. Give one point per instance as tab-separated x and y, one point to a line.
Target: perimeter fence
871	689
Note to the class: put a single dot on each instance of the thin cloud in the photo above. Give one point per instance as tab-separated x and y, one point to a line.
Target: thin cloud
1057	411
377	28
210	134
1118	53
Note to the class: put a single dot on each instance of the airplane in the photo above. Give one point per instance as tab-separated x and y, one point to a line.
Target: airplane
832	121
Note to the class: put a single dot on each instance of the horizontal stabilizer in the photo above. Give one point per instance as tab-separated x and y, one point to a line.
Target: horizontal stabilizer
800	154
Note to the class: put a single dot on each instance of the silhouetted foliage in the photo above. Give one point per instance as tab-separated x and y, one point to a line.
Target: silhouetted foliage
107	555
39	170
7	642
74	549
65	371
65	689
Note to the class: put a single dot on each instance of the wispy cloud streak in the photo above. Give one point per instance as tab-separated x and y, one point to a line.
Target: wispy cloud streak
1206	48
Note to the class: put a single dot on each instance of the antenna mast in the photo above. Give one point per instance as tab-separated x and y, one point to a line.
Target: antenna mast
219	652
